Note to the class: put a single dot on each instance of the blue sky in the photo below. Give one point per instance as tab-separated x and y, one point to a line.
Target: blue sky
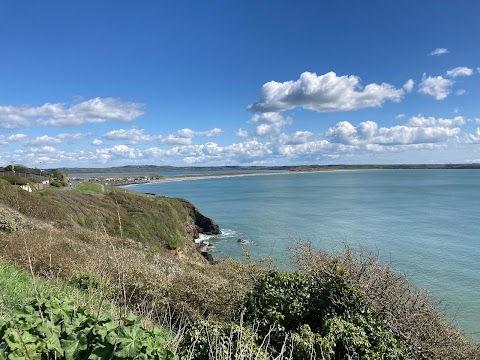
109	83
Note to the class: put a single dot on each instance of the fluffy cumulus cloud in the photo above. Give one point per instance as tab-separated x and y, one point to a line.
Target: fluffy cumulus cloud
73	136
44	141
189	133
97	142
459	71
421	121
90	111
118	152
244	152
173	139
437	87
269	118
5	140
439	52
473	138
181	137
241	133
271	123
298	137
133	136
408	86
418	130
325	93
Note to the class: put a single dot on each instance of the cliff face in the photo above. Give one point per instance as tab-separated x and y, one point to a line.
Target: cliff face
206	225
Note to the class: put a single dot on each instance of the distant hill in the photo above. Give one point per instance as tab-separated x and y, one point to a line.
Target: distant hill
165	168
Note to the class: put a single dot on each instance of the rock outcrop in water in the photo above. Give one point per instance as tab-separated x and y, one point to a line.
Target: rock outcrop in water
205	225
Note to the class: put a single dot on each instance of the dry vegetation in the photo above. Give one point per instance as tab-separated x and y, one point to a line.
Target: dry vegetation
113	242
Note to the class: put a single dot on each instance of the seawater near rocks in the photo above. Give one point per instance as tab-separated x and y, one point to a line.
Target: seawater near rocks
205	247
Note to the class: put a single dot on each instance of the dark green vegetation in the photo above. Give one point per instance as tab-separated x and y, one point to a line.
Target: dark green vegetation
54	328
113	249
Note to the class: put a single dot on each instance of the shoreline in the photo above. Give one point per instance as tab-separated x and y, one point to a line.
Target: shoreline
220	176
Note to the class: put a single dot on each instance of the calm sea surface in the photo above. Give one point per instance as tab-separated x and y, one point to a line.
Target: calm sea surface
425	222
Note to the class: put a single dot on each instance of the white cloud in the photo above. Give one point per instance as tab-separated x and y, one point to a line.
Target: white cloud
420	121
118	152
189	133
245	152
346	133
44	140
91	111
473	138
477	120
133	136
400	116
241	133
271	123
97	142
460	92
313	149
324	93
437	87
418	130
298	137
17	137
408	86
459	71
269	117
439	52
268	129
175	140
405	135
73	136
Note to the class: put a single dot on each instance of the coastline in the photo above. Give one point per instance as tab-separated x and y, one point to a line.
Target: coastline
220	176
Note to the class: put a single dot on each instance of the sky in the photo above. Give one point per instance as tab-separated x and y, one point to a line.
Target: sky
204	83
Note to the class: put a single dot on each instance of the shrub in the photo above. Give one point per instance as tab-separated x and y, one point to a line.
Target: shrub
325	317
15	180
56	329
403	310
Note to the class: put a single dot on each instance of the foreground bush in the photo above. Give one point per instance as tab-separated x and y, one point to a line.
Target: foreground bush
56	329
313	319
406	312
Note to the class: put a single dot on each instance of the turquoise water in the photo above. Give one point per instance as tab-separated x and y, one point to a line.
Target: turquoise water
425	222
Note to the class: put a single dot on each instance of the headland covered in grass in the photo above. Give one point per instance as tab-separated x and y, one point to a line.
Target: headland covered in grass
107	250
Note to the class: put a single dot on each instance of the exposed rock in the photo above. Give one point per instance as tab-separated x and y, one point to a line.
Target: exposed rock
205	225
208	256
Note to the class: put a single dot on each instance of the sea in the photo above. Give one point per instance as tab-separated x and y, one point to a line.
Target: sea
424	223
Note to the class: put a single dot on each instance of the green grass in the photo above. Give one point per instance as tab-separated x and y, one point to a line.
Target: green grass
85	187
17	289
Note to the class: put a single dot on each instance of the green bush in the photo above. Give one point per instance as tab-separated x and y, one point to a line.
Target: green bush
15	180
325	319
56	329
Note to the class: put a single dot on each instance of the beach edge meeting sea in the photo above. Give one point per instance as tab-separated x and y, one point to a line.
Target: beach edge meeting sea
333	248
